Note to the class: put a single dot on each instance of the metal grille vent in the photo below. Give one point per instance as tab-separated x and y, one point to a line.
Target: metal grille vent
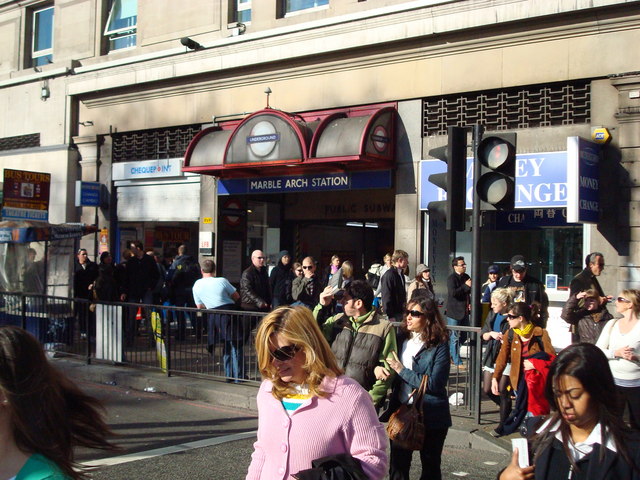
20	141
521	107
153	144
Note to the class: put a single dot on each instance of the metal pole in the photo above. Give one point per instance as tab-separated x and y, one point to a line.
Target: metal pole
476	279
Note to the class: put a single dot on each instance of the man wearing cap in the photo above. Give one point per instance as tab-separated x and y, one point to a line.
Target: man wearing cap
525	288
491	283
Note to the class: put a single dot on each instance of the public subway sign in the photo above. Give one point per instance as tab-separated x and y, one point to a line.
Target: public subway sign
541	181
306	183
583	181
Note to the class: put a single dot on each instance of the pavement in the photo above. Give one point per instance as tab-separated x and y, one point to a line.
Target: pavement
465	432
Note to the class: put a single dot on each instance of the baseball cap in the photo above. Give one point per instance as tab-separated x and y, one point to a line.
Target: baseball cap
517	263
494	269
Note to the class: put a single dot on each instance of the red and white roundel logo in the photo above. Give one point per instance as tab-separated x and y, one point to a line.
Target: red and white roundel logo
232	220
380	138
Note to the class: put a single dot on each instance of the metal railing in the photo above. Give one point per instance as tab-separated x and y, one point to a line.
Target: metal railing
186	341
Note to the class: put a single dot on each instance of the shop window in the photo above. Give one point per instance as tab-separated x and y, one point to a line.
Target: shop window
291	6
42	37
121	27
241	11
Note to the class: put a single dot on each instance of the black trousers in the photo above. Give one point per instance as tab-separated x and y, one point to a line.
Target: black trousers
430	457
629	397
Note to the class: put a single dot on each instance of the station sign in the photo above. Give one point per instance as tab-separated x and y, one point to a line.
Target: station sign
306	183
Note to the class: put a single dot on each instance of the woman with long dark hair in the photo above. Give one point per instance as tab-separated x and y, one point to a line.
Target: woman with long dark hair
43	415
584	437
424	350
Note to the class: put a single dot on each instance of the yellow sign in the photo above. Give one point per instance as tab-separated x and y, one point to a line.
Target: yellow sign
601	135
207	220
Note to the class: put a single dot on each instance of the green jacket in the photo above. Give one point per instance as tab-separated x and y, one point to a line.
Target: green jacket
361	344
39	467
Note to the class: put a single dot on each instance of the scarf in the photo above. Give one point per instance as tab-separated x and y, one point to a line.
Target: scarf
524	331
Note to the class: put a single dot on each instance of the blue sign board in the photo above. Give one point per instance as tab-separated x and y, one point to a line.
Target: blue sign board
87	194
12	213
531	219
306	183
541	181
583	179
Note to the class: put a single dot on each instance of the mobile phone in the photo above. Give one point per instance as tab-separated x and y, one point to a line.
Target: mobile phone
523	451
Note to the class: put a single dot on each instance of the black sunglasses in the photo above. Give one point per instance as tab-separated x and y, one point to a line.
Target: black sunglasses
414	313
511	317
299	270
285	353
623	300
307	267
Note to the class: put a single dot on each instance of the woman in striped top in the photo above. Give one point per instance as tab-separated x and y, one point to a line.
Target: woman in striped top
307	408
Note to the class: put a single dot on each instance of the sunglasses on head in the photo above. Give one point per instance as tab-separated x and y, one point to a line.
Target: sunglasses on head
414	313
623	300
285	353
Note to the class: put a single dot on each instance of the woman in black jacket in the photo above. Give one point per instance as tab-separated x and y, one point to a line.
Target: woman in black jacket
584	437
280	275
493	331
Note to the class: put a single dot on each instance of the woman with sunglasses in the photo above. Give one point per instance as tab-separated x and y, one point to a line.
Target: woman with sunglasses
584	437
307	409
527	347
620	342
424	350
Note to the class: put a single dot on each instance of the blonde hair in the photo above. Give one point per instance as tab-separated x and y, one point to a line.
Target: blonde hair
634	296
347	269
502	295
297	325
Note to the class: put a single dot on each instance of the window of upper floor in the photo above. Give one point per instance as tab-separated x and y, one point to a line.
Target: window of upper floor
42	36
242	11
121	27
292	6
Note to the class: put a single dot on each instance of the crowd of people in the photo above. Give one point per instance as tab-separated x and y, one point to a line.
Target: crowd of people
331	358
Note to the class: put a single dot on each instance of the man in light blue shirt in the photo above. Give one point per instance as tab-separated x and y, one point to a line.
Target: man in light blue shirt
211	292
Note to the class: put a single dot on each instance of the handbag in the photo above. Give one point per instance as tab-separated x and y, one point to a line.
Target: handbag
406	425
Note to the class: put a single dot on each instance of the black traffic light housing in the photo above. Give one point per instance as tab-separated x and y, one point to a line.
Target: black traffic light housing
454	181
496	185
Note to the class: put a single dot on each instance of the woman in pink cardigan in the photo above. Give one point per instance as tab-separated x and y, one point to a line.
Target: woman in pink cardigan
307	408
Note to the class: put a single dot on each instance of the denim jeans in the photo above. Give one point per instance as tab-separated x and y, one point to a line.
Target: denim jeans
230	359
454	339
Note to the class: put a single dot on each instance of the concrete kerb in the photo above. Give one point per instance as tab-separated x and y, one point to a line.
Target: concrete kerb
463	433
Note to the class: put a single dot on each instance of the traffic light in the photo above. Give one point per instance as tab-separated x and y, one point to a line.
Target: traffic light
454	181
496	185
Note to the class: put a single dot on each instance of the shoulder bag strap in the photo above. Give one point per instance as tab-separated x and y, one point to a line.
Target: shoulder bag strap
422	390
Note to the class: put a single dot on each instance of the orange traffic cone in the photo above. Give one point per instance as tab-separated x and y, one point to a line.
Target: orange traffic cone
139	315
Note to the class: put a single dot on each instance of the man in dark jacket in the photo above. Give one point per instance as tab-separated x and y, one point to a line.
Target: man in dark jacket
305	290
525	288
586	280
280	274
85	273
458	292
255	294
141	276
393	288
182	274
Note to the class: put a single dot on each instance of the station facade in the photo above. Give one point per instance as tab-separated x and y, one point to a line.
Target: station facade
334	159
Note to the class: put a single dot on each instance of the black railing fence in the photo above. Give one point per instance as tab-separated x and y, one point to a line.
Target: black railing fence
186	341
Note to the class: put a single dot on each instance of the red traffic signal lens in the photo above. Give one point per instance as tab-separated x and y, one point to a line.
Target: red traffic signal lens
494	152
